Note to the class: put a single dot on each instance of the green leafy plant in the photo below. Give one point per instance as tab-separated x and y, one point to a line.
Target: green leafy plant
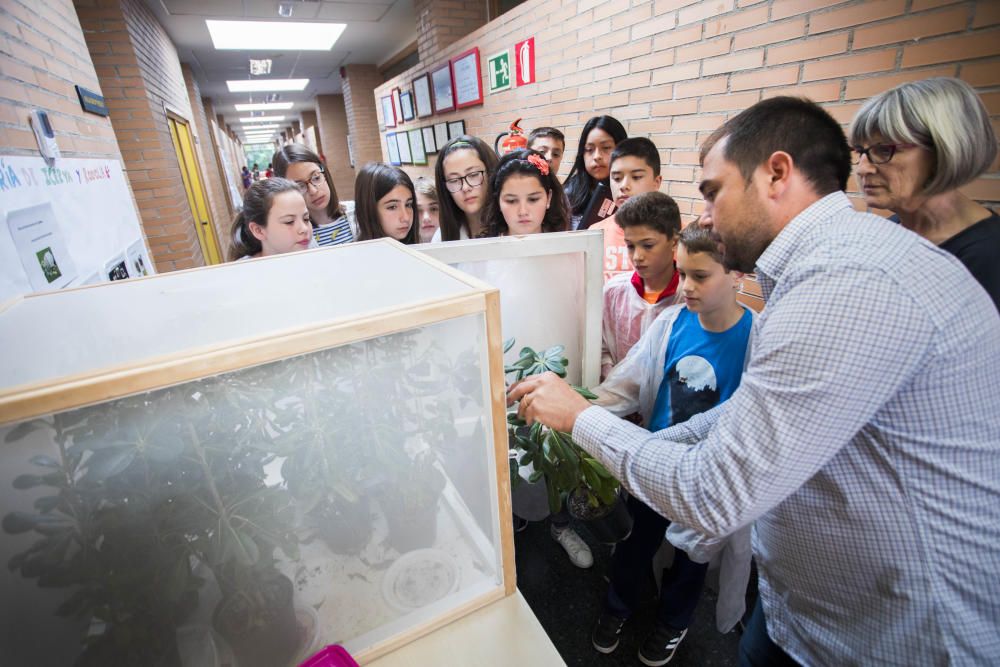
565	467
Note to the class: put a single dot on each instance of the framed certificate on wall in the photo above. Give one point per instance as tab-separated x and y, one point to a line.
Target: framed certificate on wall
388	114
444	96
403	142
468	79
430	144
406	102
397	106
417	149
422	96
440	135
456	128
393	149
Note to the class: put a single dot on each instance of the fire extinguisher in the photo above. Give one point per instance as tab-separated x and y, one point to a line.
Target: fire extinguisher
515	140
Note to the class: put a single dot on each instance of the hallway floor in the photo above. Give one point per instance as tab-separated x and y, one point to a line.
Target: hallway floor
566	600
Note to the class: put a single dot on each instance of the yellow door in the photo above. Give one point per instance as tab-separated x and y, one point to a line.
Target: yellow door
197	199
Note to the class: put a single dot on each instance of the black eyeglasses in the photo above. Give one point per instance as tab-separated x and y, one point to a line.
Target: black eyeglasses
316	180
876	153
474	180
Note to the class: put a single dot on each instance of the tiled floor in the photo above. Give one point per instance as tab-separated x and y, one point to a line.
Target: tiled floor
566	601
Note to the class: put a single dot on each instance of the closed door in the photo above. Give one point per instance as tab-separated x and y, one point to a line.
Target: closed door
193	186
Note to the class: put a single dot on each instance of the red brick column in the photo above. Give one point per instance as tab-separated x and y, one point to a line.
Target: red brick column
332	130
360	82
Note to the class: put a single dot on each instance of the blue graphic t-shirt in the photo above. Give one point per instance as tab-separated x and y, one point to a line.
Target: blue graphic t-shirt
702	368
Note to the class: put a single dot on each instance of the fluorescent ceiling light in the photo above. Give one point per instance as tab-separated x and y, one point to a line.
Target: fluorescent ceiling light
250	128
264	106
261	119
258	85
278	35
259	134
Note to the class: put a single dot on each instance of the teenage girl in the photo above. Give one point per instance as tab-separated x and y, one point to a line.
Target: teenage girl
333	221
593	162
274	220
428	209
461	175
526	197
384	200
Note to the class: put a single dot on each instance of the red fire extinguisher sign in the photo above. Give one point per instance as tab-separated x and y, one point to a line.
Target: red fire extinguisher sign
524	56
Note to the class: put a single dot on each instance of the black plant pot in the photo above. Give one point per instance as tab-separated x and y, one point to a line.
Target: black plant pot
412	530
274	639
345	527
609	524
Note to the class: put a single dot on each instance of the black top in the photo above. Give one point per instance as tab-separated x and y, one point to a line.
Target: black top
978	247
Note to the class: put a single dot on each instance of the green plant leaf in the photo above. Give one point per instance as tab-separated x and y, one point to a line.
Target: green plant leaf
507	344
586	393
19	522
46	503
23	429
45	461
27	481
106	463
555	498
535	476
165	448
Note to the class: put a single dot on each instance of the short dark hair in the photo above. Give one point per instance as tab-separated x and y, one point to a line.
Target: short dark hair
650	209
374	181
639	147
794	125
293	153
702	239
451	216
540	132
517	162
257	202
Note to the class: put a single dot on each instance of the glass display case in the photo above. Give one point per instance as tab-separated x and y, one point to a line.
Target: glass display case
241	464
550	291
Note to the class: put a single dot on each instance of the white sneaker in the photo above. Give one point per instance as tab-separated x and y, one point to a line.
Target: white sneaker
577	550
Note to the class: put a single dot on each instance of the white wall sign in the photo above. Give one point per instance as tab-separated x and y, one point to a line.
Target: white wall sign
80	209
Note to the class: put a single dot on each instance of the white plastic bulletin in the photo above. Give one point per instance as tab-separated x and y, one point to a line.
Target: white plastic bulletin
70	224
550	291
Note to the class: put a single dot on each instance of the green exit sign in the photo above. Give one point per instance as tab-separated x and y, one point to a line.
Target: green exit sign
498	71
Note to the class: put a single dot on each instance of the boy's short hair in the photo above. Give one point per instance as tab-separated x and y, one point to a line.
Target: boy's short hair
650	209
701	239
540	132
425	186
640	147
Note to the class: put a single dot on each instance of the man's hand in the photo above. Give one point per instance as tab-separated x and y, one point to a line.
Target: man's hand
546	398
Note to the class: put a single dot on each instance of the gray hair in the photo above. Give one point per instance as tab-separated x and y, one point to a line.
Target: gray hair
942	115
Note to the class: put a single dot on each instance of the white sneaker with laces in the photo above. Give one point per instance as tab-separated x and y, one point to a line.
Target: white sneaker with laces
577	550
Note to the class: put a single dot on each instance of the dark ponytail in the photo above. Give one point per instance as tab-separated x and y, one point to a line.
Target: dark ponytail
256	205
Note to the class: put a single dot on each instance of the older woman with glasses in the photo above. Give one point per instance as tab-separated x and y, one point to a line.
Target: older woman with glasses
913	146
333	220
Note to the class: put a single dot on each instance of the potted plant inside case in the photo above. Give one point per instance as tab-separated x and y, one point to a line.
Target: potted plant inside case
148	486
592	493
411	494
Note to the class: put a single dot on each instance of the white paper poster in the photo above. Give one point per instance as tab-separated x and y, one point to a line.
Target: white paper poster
39	243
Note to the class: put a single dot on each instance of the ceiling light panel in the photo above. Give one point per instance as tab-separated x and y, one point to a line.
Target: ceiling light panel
278	35
260	85
262	119
264	106
274	126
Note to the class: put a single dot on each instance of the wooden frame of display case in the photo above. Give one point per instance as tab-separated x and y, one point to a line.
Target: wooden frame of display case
24	402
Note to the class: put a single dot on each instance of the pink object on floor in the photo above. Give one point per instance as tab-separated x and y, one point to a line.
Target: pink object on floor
333	655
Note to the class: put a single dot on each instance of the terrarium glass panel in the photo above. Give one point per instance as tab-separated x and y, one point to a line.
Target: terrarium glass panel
340	496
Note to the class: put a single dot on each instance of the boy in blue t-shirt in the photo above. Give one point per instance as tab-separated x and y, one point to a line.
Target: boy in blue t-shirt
690	360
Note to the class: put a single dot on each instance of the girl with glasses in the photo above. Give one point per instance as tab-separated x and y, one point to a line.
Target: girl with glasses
333	220
913	147
385	201
461	175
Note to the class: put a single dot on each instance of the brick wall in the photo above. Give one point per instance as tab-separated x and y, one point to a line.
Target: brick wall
140	75
674	70
440	23
331	119
211	170
43	55
359	84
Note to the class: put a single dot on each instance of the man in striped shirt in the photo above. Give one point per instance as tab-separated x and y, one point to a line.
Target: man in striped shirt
864	440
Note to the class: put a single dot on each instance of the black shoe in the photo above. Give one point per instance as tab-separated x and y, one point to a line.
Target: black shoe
607	632
660	645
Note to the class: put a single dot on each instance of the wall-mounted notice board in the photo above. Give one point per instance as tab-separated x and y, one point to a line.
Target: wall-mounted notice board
67	225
